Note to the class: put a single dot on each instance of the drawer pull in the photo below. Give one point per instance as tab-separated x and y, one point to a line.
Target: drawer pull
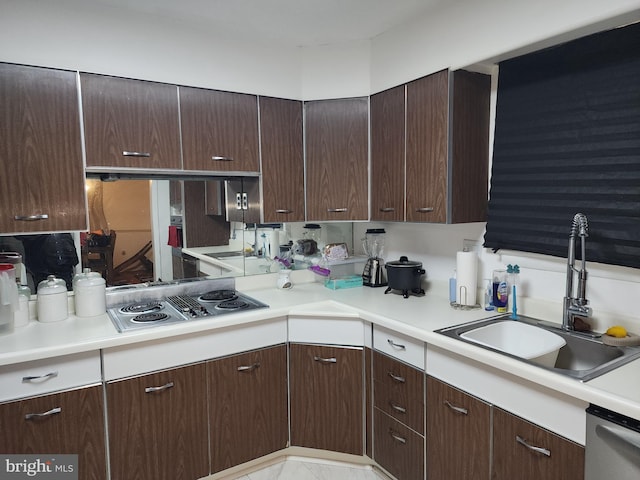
424	209
461	410
37	378
398	408
325	360
387	209
396	345
337	210
161	388
397	437
284	210
219	158
31	218
541	450
248	368
34	416
397	378
136	154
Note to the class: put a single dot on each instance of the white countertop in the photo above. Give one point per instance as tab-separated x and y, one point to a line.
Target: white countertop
415	316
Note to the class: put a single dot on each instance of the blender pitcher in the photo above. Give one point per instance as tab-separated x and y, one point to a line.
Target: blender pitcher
373	244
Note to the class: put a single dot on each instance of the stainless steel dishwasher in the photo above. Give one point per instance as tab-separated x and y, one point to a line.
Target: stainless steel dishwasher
612	448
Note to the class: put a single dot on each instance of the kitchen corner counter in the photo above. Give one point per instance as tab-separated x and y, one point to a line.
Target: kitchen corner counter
416	316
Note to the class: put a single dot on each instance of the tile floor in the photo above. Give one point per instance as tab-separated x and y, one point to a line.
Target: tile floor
299	469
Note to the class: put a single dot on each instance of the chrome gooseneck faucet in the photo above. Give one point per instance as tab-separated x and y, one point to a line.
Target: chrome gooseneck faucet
576	305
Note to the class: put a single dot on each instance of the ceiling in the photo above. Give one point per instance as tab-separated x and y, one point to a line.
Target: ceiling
295	23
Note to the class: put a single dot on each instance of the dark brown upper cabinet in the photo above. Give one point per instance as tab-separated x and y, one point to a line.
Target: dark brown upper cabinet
282	160
42	186
430	149
219	131
388	154
130	123
336	134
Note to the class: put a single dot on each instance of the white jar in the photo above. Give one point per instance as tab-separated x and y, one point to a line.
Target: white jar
52	300
89	294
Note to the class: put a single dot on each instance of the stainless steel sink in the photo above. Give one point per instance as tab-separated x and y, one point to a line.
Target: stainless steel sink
583	357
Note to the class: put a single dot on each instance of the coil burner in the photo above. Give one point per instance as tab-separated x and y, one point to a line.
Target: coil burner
235	304
150	317
141	308
218	296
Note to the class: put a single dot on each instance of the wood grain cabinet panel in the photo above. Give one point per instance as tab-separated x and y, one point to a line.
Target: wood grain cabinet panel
219	130
326	388
76	428
430	149
399	391
458	434
42	185
387	110
398	449
282	159
158	425
130	123
514	455
247	406
336	133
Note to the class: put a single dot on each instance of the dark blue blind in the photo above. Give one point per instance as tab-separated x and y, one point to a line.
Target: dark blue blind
567	140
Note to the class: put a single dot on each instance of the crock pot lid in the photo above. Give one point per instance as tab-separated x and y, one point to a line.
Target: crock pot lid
404	262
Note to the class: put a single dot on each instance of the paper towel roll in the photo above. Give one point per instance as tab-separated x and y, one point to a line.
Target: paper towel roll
466	278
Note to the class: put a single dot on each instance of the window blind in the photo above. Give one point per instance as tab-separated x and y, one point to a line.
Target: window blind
567	140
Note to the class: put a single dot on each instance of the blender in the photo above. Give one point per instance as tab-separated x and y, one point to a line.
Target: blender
373	243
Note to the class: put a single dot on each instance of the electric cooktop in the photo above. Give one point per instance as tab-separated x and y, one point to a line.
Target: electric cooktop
180	308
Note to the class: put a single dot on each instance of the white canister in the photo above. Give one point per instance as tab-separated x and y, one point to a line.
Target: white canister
89	294
52	300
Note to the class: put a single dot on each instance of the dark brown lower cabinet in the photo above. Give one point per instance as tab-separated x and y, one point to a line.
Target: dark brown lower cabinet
458	434
327	399
158	425
76	428
397	448
247	406
527	452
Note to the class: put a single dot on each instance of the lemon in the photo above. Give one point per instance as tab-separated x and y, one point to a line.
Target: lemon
617	331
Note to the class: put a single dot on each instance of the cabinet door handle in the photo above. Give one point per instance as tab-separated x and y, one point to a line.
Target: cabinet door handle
461	410
34	378
31	218
397	437
33	416
541	450
220	158
424	209
397	378
161	388
397	408
325	360
337	210
387	209
248	368
126	153
396	345
284	210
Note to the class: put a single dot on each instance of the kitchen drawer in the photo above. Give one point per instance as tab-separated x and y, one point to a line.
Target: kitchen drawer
399	391
49	375
131	360
398	449
402	347
327	331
